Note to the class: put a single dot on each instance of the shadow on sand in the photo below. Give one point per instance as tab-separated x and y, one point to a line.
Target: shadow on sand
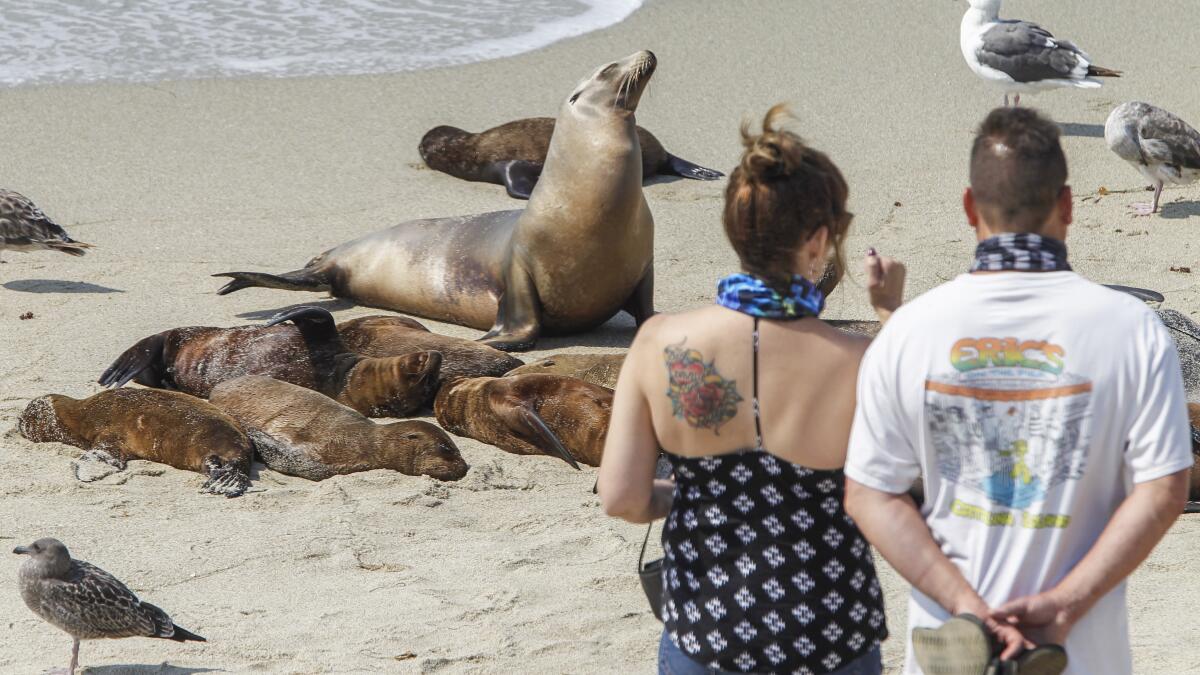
1084	130
159	669
331	304
1179	210
56	286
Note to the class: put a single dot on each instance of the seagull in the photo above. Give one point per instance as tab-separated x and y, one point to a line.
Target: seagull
87	602
1022	57
23	227
1160	145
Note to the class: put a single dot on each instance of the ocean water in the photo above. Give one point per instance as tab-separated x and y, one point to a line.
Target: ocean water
69	41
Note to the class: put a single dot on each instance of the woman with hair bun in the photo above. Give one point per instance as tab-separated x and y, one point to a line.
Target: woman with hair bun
752	399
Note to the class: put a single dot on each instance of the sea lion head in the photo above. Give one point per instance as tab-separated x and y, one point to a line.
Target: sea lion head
422	449
438	141
48	558
43	422
394	386
615	86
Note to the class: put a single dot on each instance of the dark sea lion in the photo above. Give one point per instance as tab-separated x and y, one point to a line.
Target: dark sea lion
581	251
599	369
531	414
169	427
512	155
382	336
310	354
300	432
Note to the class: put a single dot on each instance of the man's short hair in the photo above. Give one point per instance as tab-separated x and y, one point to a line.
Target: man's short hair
1018	169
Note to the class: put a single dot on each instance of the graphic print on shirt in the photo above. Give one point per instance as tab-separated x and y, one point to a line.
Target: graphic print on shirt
1010	423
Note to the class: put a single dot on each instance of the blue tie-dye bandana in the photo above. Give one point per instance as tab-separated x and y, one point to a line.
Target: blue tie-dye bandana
751	295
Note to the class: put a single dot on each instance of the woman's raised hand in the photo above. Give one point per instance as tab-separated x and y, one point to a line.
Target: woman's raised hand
885	283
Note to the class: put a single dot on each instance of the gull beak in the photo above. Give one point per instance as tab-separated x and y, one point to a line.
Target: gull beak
21	550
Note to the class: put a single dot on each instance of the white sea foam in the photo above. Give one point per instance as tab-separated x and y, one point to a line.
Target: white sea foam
55	41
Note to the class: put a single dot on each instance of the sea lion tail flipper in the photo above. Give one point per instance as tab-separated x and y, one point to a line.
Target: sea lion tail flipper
520	177
315	323
535	427
224	479
1152	298
682	167
142	359
307	279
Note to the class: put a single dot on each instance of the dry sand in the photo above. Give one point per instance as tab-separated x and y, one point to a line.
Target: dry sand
514	568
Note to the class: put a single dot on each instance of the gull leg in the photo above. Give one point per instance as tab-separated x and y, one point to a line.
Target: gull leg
74	656
1017	103
1142	208
1006	99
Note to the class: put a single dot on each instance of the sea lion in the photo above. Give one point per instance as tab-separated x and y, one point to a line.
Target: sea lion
599	369
533	414
581	251
300	432
168	427
513	154
310	354
380	336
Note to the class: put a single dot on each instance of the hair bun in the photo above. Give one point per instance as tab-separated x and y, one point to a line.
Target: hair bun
771	153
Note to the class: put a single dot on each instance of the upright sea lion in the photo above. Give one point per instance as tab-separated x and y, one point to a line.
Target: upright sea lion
161	426
309	354
302	433
513	154
581	251
381	336
531	414
599	369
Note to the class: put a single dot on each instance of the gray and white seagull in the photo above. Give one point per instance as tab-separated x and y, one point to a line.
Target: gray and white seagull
1161	146
1022	57
23	227
85	601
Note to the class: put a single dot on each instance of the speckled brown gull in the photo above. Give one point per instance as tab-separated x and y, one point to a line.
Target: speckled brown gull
1164	148
23	227
87	602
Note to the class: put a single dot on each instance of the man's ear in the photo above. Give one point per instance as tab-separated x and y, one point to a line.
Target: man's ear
1066	205
970	209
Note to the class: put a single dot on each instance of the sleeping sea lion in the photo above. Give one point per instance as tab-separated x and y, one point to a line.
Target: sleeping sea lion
531	414
309	354
599	369
513	154
300	432
116	426
581	251
381	335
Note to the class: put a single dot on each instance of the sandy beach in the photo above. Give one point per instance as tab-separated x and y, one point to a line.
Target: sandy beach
514	568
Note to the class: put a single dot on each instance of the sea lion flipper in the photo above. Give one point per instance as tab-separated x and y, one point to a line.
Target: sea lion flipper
640	304
224	479
315	323
535	427
684	168
98	463
1152	298
307	279
143	360
520	176
518	314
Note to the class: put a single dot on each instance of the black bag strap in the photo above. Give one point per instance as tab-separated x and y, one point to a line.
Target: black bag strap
642	555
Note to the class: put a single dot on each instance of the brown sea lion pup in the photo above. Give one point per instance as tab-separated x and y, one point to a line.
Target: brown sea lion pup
599	369
380	336
531	414
309	354
169	427
580	251
512	155
302	433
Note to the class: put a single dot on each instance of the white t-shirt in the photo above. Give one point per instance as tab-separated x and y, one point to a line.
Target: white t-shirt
1029	403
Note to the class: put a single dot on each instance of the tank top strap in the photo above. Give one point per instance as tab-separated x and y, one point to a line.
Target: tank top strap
758	437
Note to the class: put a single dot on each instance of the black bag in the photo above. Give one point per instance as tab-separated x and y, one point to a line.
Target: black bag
650	575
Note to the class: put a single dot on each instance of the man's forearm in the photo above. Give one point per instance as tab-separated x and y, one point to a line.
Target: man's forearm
1132	533
895	527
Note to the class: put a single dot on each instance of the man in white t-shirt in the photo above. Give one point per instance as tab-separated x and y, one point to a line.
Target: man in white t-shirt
1045	415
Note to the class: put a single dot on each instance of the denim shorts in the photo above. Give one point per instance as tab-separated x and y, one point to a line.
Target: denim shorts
672	661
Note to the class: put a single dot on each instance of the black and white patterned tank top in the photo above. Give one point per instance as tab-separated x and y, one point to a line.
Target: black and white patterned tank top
763	570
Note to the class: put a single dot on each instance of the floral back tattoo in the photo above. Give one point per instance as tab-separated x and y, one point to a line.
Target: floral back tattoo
698	393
